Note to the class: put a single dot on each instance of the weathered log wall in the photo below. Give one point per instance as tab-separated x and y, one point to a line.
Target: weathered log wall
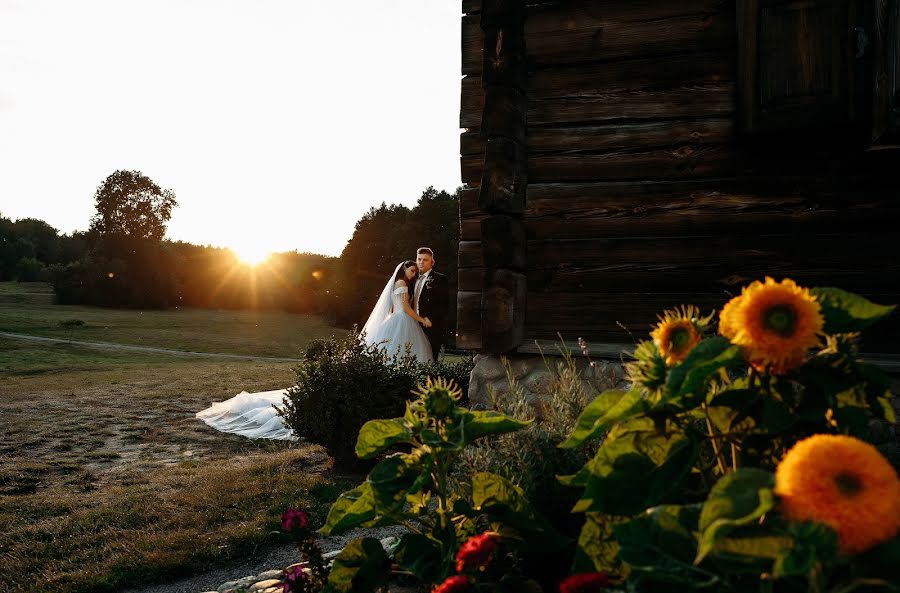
641	194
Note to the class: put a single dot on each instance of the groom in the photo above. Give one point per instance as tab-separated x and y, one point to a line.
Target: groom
431	299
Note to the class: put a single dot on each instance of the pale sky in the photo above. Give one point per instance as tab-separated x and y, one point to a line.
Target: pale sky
277	123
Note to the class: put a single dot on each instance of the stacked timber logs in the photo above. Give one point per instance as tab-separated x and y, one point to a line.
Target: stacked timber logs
642	193
501	193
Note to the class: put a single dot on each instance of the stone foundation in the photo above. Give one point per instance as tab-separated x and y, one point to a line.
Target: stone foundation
531	373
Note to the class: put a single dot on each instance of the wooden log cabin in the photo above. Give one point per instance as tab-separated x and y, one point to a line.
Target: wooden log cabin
625	156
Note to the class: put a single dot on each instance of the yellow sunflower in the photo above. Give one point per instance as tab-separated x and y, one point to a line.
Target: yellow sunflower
844	483
676	334
774	322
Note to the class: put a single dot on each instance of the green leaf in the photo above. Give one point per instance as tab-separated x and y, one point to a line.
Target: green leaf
432	438
637	467
878	391
734	408
393	479
767	545
576	480
361	566
811	543
413	419
846	312
738	499
475	425
659	547
776	417
420	555
852	420
606	409
352	509
505	503
690	378
488	488
597	547
377	435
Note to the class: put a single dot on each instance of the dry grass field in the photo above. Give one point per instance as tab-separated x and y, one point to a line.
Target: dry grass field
106	478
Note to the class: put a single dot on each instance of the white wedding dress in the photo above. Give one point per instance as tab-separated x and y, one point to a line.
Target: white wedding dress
398	330
249	414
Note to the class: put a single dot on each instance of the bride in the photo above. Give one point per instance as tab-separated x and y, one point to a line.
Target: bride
393	325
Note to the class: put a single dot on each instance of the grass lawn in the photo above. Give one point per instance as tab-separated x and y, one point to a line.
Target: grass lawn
28	308
106	478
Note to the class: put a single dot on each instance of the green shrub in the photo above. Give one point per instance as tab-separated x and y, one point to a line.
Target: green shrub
29	269
342	383
458	371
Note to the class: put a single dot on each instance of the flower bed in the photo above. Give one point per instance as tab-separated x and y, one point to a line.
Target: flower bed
735	462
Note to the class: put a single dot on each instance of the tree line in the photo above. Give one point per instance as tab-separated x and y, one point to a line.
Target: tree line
123	259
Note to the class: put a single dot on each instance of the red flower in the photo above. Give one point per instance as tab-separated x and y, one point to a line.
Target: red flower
476	553
294	519
454	584
585	582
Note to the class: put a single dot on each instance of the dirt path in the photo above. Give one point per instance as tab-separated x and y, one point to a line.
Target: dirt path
113	346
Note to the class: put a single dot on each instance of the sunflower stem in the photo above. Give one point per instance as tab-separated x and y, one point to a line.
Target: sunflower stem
814	584
720	458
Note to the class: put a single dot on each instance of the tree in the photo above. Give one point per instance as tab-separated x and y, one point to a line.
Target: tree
41	235
131	206
384	237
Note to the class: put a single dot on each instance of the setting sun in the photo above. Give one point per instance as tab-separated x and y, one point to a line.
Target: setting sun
252	255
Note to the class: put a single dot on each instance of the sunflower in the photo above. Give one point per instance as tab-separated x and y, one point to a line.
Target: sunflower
774	322
844	483
677	333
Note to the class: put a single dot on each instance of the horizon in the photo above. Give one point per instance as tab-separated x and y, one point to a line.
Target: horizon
249	260
249	122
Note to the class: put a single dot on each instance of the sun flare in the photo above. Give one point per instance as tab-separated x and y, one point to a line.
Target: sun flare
252	255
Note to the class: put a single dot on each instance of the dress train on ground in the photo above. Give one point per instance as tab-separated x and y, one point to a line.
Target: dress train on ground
251	415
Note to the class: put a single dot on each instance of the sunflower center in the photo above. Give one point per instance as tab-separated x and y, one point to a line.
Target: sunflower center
680	338
781	319
848	484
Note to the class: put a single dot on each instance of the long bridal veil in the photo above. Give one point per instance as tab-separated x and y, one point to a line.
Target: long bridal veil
382	307
251	415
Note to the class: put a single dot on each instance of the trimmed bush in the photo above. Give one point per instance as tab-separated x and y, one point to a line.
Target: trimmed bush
343	383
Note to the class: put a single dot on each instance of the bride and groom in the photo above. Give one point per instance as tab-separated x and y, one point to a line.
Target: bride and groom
409	315
411	310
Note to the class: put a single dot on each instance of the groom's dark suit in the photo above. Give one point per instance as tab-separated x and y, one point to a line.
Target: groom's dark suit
434	300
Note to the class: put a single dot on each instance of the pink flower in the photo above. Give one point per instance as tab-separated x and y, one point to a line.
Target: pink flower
294	519
477	551
295	580
585	582
454	584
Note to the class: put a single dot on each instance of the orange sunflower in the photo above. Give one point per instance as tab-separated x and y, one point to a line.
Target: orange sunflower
844	483
677	333
775	323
